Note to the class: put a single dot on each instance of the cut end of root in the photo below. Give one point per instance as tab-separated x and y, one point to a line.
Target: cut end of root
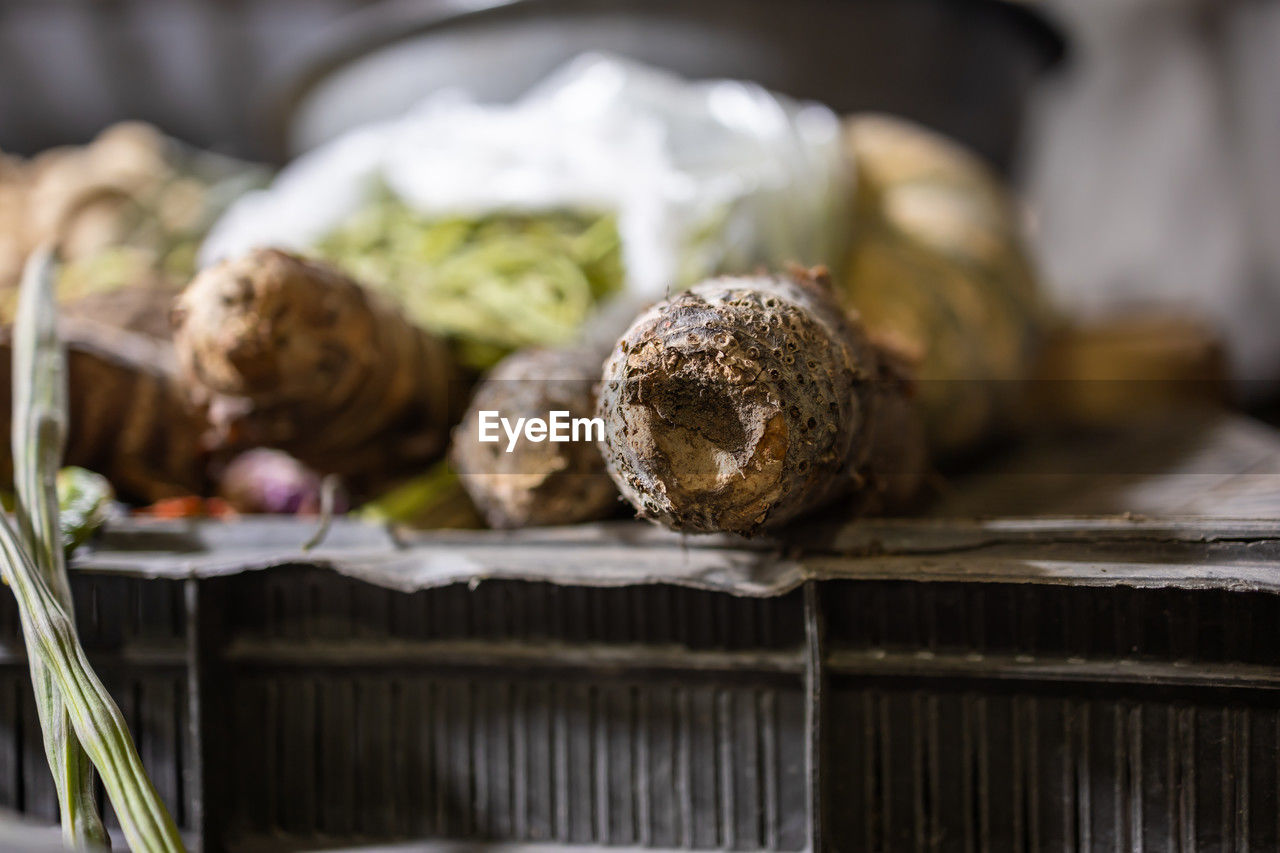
713	441
741	404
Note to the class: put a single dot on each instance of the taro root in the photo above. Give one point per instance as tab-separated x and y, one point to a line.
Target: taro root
14	244
747	401
938	264
130	207
288	353
144	308
129	418
536	483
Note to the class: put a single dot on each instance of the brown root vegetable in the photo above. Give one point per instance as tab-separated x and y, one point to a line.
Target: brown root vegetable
1121	367
938	264
130	208
88	197
143	308
289	353
536	483
14	243
129	420
747	401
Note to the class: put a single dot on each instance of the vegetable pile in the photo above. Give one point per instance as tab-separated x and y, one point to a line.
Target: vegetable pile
738	405
351	370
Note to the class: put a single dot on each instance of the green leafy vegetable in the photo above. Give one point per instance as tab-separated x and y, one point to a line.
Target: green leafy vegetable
434	499
492	284
84	501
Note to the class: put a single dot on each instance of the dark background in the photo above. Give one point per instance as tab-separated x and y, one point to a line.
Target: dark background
199	70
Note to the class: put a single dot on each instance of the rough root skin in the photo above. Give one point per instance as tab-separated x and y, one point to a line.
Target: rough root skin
540	483
747	401
152	446
292	354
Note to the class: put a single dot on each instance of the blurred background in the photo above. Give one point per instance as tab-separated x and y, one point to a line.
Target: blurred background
1141	134
1120	221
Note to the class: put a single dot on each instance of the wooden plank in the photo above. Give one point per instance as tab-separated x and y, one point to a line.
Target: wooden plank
1207	464
250	794
747	781
410	762
703	767
469	655
1193	465
494	714
817	708
660	821
1008	567
789	756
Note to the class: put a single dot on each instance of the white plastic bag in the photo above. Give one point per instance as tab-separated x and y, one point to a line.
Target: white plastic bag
705	177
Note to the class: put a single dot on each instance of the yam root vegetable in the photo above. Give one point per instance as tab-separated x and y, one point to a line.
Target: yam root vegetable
747	401
145	309
129	419
1121	367
289	353
14	243
129	208
536	483
938	265
88	198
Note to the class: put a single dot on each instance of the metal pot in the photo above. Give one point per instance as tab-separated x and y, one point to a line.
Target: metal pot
964	67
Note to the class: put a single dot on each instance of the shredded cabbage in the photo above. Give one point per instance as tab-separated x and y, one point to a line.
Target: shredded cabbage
492	284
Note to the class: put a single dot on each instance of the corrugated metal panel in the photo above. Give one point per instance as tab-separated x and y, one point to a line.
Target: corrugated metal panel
929	716
634	764
136	637
570	715
964	770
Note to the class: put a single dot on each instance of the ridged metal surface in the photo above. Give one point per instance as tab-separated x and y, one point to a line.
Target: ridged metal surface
136	637
315	604
925	716
652	765
1015	717
1206	626
963	770
366	725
